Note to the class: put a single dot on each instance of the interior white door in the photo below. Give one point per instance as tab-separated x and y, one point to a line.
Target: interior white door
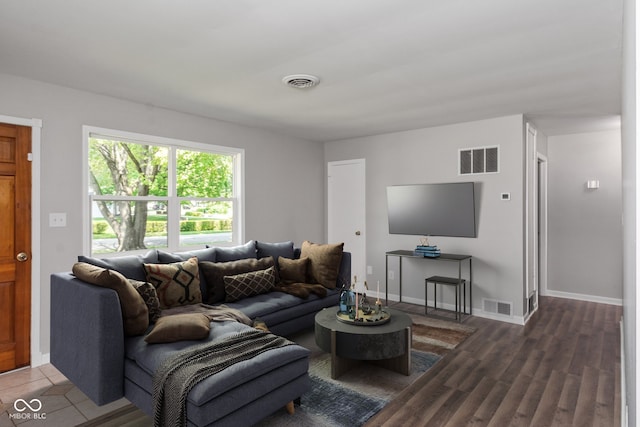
346	217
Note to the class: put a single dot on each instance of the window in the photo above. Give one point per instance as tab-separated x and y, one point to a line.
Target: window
147	192
478	160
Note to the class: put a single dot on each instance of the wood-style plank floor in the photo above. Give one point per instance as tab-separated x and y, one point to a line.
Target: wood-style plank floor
561	369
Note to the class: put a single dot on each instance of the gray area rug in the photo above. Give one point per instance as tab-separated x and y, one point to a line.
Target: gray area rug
351	399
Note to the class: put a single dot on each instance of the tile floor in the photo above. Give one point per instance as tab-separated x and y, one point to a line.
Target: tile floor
62	404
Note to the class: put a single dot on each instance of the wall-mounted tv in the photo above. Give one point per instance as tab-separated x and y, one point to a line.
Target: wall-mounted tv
446	209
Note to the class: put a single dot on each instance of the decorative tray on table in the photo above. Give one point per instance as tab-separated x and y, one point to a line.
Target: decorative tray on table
370	318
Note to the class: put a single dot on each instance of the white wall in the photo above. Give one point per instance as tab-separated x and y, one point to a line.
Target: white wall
430	156
284	176
585	226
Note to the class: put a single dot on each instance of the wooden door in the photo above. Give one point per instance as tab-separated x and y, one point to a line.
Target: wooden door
15	246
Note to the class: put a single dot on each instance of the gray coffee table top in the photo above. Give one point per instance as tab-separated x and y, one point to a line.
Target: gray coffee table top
326	318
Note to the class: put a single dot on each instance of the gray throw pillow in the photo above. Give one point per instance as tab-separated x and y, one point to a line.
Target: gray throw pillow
234	253
130	266
282	249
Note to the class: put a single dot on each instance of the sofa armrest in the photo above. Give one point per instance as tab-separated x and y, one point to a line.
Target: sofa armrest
87	337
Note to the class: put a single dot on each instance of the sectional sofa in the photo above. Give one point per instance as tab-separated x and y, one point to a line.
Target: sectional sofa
110	345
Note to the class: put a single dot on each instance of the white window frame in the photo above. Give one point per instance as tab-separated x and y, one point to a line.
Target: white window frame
173	232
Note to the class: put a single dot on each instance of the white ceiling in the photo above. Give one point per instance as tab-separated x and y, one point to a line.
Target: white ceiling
384	65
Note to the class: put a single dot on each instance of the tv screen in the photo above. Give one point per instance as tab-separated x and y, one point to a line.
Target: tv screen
432	209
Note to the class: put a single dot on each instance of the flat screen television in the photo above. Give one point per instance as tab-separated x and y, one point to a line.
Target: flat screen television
446	209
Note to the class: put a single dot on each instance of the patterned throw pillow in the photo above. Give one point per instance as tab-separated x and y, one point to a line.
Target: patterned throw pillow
249	284
148	293
213	274
177	283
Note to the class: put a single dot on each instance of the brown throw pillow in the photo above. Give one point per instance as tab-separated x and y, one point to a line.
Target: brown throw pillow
324	262
214	272
249	284
148	293
293	270
135	314
177	283
179	327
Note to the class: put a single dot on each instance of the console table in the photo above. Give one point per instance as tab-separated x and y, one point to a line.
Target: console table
401	254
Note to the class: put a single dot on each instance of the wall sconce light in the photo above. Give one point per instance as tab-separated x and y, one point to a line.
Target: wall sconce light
593	184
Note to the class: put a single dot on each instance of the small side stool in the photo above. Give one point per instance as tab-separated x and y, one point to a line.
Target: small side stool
460	292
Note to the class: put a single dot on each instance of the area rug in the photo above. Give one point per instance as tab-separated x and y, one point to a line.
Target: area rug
355	396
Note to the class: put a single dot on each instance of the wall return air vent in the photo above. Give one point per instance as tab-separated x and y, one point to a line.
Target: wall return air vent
478	160
496	307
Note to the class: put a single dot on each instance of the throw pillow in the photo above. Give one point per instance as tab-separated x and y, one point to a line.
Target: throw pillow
129	266
179	327
135	314
293	270
148	293
177	283
282	249
248	250
214	272
207	254
324	262
245	285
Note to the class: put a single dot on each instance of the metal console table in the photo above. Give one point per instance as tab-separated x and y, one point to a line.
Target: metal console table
443	257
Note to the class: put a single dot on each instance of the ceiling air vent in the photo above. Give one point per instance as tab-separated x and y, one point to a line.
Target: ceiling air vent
301	81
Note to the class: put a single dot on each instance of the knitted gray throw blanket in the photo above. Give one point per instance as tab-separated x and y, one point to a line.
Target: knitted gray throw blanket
181	372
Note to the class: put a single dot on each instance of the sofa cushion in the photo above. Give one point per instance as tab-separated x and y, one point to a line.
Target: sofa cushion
324	262
206	254
148	293
129	266
177	283
148	359
214	272
234	253
293	270
179	327
282	249
135	314
248	284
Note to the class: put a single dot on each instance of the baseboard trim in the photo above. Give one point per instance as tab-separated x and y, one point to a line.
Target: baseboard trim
583	297
40	359
516	320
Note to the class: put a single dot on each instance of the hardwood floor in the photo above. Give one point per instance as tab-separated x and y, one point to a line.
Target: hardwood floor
561	369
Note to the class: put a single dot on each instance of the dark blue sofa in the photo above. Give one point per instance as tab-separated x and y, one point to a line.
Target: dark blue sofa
89	347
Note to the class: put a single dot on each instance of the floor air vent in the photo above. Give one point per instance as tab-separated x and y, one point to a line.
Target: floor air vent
497	307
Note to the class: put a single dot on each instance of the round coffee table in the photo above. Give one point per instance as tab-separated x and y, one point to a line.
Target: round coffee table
387	345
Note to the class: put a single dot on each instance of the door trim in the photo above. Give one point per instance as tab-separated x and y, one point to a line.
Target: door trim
37	357
543	177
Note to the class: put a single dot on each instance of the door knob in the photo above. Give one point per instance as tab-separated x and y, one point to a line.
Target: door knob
22	257
357	233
